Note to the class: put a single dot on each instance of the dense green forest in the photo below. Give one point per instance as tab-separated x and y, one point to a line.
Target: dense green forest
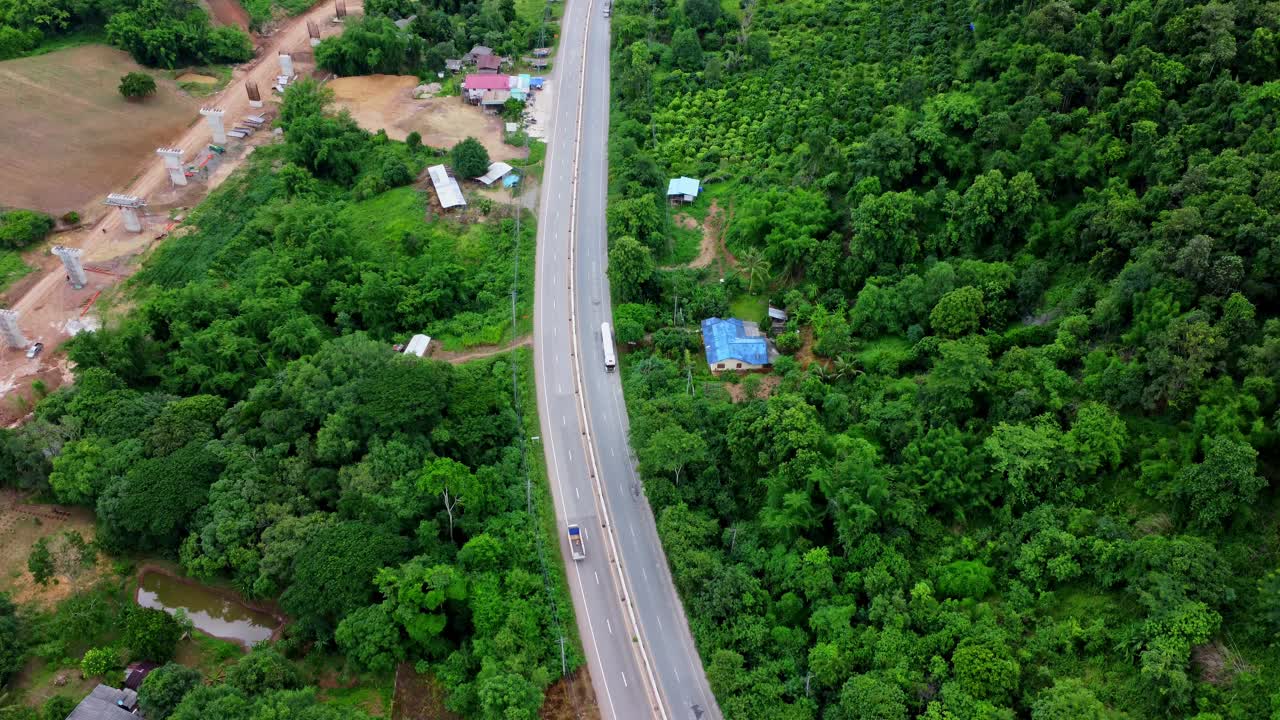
160	33
1020	461
250	419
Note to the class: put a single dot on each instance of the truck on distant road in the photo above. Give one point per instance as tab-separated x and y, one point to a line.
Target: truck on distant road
576	546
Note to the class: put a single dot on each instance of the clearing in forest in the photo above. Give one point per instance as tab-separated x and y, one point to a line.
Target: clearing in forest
68	137
386	102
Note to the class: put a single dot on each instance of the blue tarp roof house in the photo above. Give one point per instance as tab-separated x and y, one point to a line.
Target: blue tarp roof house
683	186
727	339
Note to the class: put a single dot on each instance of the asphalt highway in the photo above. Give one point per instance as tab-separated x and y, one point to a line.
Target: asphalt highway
640	653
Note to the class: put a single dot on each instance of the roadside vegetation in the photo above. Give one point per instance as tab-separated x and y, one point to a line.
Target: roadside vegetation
1017	459
251	420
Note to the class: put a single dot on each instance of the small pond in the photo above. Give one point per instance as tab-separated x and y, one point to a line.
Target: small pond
213	612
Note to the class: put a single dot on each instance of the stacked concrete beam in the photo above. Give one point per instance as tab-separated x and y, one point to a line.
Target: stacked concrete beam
71	261
10	333
173	162
214	116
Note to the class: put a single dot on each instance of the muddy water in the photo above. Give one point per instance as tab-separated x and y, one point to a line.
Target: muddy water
211	612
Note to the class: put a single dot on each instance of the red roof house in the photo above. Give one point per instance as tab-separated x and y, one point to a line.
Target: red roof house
475	86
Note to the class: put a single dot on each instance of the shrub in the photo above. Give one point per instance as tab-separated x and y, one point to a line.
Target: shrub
21	228
965	578
137	85
151	634
164	688
99	661
469	158
71	217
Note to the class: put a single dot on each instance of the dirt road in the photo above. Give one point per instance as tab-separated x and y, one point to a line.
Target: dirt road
154	179
49	308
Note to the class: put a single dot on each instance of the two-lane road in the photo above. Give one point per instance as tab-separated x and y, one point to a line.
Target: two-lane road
656	672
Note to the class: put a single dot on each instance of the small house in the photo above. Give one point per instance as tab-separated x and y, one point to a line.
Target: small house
447	190
475	86
476	53
488	64
536	63
403	23
418	345
541	52
106	703
683	189
453	65
734	344
777	319
136	673
497	171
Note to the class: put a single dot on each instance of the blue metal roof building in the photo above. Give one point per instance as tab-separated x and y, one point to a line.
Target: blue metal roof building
727	341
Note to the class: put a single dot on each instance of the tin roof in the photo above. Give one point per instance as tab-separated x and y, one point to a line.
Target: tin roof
486	82
446	187
727	339
683	186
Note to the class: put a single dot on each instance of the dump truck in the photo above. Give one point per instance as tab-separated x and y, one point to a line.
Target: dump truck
576	547
218	149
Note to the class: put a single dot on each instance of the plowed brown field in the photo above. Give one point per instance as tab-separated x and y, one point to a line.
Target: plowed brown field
68	137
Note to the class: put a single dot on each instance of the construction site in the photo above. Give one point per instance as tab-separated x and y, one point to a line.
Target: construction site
75	282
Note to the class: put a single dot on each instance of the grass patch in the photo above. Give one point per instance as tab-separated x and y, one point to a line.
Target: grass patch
884	352
87	36
748	307
201	89
537	154
451	86
208	654
684	245
372	694
12	268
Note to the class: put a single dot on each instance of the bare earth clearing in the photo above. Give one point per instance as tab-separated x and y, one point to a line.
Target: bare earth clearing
68	137
380	102
21	525
229	12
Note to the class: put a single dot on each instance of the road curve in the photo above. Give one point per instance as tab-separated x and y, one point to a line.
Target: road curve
656	671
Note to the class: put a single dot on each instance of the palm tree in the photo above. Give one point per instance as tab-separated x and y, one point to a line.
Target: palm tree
752	263
846	367
820	371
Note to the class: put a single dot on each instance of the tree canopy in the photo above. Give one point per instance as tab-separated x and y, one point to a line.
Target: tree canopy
1014	457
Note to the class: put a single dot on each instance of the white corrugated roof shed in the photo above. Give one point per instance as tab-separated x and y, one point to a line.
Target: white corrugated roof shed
417	345
446	187
496	171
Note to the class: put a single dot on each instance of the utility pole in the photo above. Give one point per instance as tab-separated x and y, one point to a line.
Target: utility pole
564	666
